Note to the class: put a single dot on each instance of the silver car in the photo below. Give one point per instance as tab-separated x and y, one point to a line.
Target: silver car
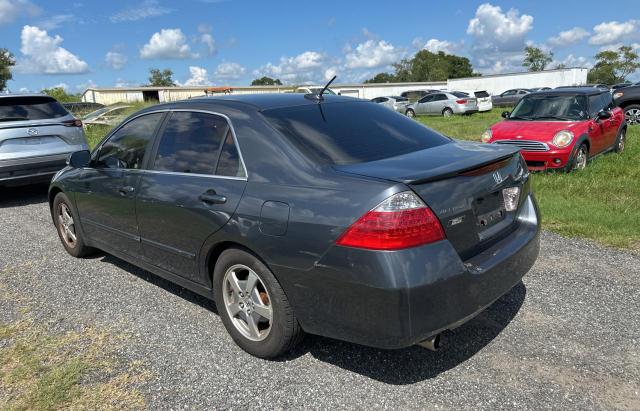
109	116
36	136
395	103
443	104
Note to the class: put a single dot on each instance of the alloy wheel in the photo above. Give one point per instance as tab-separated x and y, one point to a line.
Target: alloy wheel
581	158
410	114
632	116
66	225
447	113
621	141
247	302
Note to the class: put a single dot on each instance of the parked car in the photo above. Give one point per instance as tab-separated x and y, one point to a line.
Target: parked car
598	86
36	136
293	217
509	98
620	85
443	104
110	115
82	107
483	98
415	95
395	103
628	99
562	129
314	90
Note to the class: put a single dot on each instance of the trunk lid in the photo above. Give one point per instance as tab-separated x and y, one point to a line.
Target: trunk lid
462	183
30	138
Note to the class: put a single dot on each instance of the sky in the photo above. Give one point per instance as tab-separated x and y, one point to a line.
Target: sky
80	44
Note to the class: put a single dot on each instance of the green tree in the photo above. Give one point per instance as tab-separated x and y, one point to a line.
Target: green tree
614	66
61	95
382	78
428	66
161	78
6	62
560	66
266	81
535	59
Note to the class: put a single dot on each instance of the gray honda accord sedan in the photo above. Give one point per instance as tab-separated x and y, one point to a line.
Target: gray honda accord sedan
304	213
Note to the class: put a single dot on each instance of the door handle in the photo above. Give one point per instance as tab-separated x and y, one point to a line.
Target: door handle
210	197
126	190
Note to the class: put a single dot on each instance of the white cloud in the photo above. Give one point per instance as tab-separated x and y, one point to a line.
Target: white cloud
148	8
573	61
229	71
122	83
493	29
568	37
168	44
371	54
613	31
208	40
83	86
116	60
11	9
435	45
42	54
199	77
304	67
56	21
616	46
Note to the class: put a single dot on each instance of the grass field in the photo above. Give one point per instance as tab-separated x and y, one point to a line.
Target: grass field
601	202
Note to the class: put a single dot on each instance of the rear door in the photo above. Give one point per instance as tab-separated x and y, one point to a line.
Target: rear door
192	187
106	191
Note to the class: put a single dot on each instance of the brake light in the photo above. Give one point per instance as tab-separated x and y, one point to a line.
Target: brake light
72	123
461	101
401	221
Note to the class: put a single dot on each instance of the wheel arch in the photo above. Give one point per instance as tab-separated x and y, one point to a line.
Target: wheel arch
212	255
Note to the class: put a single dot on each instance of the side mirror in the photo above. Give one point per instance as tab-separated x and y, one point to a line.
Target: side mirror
79	159
505	114
603	115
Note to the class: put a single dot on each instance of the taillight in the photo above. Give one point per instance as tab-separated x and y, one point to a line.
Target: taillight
401	221
461	101
72	123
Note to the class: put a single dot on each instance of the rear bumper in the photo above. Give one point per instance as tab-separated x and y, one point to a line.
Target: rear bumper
31	170
396	299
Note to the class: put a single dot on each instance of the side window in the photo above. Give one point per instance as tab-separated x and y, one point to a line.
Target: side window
426	98
229	163
439	97
607	101
126	148
522	92
190	143
595	104
508	93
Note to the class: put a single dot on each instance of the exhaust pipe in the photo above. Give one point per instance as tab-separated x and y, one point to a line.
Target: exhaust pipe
432	343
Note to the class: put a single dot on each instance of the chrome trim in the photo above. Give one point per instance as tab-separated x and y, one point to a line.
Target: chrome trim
188	174
526	145
229	122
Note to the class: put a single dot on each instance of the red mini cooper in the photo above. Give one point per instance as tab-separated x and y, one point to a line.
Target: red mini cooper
562	128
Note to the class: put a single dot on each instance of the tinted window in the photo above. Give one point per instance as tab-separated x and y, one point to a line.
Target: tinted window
426	99
607	101
126	148
190	143
329	134
30	108
400	98
522	92
229	163
460	95
440	97
508	93
481	94
596	104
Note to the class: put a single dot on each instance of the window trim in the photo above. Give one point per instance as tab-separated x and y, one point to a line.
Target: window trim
157	136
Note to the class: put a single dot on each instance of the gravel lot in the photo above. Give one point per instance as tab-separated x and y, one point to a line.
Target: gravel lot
567	337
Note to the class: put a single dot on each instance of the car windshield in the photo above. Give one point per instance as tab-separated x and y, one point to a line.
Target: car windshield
328	133
550	107
30	108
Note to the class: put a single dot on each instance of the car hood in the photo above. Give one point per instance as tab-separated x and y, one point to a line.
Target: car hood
532	130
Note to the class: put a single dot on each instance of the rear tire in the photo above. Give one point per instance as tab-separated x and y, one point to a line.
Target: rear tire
580	159
447	112
410	113
246	295
620	141
66	220
632	114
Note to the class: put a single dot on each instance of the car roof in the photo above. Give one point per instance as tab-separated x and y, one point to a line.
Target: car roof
571	91
3	95
266	101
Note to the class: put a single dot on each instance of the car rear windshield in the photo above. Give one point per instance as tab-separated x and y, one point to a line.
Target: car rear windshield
481	94
459	94
353	132
30	108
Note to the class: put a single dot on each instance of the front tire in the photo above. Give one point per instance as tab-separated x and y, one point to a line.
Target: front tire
620	141
66	221
580	159
253	307
410	113
632	114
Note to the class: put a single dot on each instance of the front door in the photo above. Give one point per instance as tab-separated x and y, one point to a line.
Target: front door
106	190
423	104
191	189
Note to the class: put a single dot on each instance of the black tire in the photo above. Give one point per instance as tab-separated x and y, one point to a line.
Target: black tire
447	112
410	113
76	247
620	141
632	114
284	331
577	162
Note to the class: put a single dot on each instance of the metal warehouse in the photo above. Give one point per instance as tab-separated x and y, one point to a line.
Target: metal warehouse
494	84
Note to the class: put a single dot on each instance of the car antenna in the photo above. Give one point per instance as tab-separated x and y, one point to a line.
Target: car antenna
326	87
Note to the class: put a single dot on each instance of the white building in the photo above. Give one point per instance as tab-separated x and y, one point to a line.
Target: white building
494	84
